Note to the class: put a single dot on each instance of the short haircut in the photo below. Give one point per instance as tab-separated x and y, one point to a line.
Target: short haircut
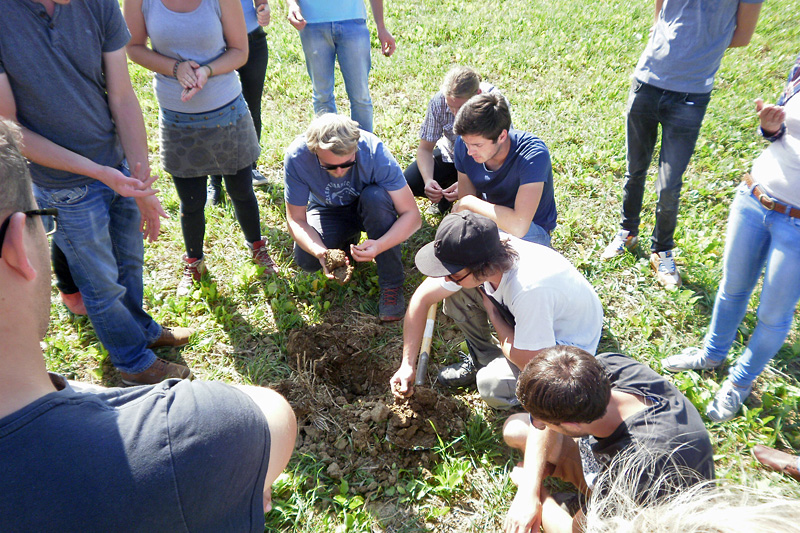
564	384
15	179
485	114
333	132
461	82
500	262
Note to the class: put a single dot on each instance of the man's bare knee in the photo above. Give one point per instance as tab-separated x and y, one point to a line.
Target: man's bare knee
515	430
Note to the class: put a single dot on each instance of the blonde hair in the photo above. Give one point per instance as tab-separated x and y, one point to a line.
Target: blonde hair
333	132
461	82
619	504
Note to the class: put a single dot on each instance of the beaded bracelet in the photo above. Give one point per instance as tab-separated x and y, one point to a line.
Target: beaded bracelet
175	68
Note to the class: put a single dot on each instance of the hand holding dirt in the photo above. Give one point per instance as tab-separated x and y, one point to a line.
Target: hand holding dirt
337	264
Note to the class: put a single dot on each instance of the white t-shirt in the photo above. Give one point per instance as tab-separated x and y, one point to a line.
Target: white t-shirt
777	169
551	301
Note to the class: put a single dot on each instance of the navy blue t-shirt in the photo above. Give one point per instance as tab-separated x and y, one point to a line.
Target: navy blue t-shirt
177	456
528	161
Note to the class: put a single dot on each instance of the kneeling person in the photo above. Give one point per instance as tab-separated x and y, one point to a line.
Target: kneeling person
340	181
533	296
583	412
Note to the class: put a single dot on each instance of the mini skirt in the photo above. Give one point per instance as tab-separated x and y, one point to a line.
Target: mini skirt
222	141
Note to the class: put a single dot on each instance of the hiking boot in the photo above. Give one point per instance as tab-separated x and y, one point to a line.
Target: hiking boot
663	263
215	194
193	270
261	257
73	302
156	373
461	374
691	358
258	178
392	306
619	243
173	337
727	401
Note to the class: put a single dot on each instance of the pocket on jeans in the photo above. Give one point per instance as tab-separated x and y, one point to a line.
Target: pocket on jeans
68	196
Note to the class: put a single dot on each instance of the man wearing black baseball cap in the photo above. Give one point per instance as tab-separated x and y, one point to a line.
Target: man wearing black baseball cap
532	295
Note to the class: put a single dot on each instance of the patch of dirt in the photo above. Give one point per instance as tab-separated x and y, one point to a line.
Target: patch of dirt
336	263
347	416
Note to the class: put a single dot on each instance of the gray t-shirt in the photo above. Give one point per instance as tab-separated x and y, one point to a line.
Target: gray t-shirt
55	68
687	44
178	456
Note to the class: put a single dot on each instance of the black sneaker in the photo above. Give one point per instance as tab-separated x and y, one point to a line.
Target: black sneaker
461	374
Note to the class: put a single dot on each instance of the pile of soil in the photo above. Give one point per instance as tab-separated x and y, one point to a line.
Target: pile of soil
347	415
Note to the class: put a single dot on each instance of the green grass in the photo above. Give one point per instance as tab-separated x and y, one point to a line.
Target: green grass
565	67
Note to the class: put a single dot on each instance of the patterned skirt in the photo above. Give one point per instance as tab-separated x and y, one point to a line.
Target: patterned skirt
222	141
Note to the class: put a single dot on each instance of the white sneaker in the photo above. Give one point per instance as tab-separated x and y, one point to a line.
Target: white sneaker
727	401
619	243
691	358
663	263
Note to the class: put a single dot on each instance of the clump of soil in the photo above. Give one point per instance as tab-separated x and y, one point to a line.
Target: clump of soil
347	415
336	263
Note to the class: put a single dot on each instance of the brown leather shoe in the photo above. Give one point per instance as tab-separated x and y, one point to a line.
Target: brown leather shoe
777	460
172	337
156	373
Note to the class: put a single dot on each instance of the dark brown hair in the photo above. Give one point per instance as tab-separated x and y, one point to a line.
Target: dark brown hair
564	384
484	114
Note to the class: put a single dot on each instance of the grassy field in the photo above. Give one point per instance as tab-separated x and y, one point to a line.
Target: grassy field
565	67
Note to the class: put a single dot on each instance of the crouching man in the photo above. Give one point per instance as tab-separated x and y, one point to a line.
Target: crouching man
533	296
340	181
583	412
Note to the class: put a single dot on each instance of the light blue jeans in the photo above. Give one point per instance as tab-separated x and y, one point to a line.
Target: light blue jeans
347	40
757	239
98	231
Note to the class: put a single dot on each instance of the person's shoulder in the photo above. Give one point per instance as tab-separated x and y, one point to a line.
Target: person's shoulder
527	143
297	148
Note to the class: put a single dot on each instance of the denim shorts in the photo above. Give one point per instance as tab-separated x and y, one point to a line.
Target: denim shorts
220	141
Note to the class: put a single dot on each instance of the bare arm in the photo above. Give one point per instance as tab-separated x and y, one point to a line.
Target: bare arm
304	235
408	221
505	334
746	19
127	115
525	513
659	4
429	292
44	152
515	221
388	44
557	520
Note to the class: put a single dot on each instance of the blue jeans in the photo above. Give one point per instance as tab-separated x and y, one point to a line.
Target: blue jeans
340	227
347	40
680	116
98	231
757	239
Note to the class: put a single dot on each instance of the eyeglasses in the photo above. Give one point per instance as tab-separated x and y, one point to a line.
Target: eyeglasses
347	164
459	280
48	220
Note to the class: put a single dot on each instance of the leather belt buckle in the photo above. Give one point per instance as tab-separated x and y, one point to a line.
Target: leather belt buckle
767	202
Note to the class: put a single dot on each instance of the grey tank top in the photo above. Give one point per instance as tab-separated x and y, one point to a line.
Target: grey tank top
196	35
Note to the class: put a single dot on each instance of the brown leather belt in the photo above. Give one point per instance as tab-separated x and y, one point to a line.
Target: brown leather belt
769	202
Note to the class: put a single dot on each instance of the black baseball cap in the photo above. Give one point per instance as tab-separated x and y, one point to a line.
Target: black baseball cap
463	239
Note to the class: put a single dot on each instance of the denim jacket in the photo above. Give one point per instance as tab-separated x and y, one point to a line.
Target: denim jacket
792	88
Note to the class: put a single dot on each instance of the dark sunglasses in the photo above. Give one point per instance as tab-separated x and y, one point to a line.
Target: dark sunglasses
51	212
348	164
459	280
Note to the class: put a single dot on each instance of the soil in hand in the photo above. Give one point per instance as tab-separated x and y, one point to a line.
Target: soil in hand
336	263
